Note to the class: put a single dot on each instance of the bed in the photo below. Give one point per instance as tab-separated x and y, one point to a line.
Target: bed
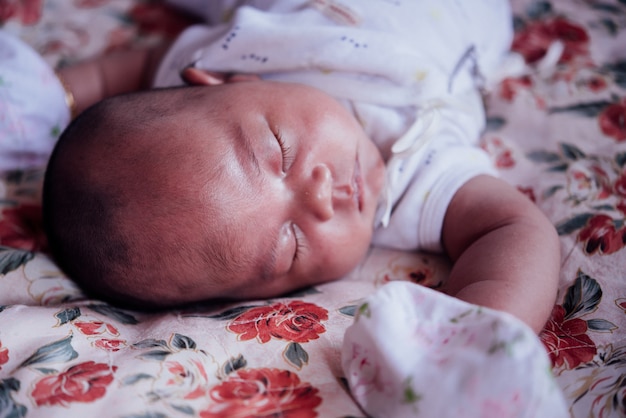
557	132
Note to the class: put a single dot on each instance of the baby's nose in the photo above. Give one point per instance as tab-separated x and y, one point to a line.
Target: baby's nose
319	193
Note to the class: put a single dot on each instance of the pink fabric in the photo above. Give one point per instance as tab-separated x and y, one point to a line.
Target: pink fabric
556	132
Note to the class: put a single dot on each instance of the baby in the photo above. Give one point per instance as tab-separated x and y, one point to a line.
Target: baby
285	141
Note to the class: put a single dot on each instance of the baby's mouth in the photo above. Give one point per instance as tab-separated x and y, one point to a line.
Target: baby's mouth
357	182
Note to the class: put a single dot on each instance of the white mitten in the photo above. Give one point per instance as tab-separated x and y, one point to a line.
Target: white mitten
415	352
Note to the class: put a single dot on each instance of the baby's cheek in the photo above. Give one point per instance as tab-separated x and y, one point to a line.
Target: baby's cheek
347	252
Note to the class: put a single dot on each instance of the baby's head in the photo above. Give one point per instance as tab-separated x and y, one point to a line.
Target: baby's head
238	190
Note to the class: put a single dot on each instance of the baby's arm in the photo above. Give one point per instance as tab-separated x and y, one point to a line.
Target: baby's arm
120	71
506	252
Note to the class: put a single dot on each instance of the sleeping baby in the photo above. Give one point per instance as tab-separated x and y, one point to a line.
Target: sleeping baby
281	140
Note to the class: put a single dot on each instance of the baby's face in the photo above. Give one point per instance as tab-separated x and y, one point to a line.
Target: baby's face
293	188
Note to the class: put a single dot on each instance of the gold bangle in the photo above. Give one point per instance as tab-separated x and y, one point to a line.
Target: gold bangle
70	101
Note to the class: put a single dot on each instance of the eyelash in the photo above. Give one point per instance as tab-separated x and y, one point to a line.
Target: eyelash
285	150
299	245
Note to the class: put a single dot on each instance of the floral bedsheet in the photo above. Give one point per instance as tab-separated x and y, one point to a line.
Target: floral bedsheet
557	132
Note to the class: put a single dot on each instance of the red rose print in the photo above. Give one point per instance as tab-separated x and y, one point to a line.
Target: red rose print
95	327
421	275
534	40
26	12
591	179
184	375
601	235
84	382
22	227
110	345
263	393
612	121
295	321
4	355
505	159
511	86
566	340
500	152
596	84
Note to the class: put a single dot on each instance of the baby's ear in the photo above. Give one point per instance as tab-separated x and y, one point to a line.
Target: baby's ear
197	77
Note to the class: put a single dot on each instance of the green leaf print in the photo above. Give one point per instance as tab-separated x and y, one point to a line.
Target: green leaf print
349	310
410	396
494	123
147	415
551	191
543	156
46	370
56	352
182	342
364	310
115	313
162	350
582	297
134	378
591	109
538	9
572	152
601	325
618	72
150	343
8	407
158	355
559	168
67	315
296	355
234	363
227	314
573	224
185	409
11	259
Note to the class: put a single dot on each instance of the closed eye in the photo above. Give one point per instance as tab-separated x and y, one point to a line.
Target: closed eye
286	152
299	243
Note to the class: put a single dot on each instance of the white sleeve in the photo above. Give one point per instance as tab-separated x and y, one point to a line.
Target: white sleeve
417	219
451	158
33	111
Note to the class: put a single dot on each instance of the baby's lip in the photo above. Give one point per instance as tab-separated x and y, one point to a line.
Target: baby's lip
357	182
